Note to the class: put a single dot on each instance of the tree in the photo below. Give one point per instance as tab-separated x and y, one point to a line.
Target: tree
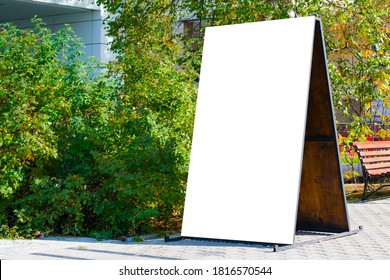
50	100
158	92
34	101
358	42
85	154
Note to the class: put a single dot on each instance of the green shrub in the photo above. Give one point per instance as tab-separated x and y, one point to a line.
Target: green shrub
78	154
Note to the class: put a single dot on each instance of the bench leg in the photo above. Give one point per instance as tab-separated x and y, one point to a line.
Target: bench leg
370	190
366	187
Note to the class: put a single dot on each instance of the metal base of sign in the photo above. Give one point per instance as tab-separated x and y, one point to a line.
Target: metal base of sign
275	247
180	238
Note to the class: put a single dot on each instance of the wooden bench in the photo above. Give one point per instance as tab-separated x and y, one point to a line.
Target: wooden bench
375	160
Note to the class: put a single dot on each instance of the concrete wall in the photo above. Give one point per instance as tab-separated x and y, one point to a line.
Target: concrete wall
89	4
83	16
88	25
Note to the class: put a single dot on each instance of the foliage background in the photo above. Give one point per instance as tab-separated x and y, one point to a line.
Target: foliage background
103	150
77	154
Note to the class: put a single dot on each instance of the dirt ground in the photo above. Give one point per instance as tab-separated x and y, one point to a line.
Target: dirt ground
354	192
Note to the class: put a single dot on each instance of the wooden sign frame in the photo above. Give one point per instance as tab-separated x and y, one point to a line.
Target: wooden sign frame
243	184
322	202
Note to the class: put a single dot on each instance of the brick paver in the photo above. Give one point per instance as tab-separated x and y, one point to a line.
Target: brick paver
371	243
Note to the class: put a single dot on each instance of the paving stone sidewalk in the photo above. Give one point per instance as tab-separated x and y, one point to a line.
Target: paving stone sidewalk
373	243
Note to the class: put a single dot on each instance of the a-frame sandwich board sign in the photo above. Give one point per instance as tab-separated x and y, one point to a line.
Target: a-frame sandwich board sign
264	159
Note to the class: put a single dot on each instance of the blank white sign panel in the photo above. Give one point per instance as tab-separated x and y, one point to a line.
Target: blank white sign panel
248	140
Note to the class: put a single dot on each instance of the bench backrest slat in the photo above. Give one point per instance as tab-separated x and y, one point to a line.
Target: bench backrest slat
374	157
368	160
377	165
375	153
379	172
372	145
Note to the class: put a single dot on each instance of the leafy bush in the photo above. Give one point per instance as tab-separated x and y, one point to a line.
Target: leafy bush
78	154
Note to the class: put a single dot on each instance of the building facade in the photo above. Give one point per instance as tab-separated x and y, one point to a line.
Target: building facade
84	16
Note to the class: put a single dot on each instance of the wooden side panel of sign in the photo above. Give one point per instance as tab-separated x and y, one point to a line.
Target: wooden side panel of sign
322	204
